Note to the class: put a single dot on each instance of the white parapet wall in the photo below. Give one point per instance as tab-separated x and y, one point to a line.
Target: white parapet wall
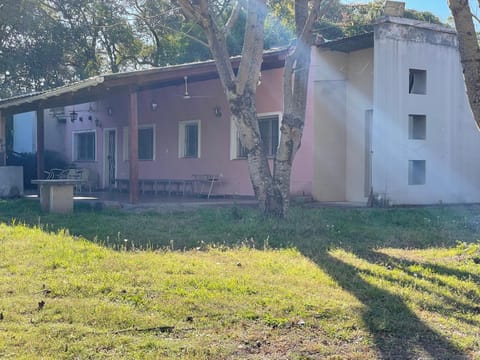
11	181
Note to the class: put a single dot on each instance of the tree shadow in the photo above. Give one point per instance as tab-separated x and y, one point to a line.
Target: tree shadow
397	332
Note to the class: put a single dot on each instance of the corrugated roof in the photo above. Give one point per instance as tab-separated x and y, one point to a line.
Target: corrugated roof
94	88
353	43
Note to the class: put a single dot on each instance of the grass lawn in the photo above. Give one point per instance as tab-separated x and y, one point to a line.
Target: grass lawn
327	283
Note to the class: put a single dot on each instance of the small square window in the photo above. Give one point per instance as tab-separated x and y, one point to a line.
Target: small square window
416	172
417	127
417	81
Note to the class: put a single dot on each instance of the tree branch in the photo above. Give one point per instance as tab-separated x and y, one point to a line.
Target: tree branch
252	52
233	17
216	38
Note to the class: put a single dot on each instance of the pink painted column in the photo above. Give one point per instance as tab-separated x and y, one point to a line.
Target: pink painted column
3	138
133	146
40	143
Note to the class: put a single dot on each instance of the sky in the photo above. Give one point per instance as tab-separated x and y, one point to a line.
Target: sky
437	7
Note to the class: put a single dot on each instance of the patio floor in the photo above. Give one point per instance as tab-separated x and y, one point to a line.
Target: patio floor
174	203
147	202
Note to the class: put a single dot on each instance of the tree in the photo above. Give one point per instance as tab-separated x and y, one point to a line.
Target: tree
469	52
31	49
100	38
271	190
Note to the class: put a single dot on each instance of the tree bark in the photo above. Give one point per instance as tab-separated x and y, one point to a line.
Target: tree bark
295	88
272	192
469	52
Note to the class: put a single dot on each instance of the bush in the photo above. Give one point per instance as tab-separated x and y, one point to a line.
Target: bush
52	160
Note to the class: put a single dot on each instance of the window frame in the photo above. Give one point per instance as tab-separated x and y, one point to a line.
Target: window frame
235	137
182	125
75	134
125	144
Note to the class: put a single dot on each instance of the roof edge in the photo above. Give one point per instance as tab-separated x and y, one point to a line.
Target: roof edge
26	99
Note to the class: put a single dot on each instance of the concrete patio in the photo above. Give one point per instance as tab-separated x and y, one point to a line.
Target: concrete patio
150	202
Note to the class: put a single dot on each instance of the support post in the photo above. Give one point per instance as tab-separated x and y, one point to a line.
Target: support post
3	139
133	148
40	143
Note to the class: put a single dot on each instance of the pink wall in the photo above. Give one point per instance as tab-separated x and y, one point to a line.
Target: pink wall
215	134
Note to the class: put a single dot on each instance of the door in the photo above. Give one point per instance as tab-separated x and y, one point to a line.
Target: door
110	157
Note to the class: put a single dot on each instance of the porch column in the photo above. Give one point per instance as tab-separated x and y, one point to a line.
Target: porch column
133	146
40	144
3	139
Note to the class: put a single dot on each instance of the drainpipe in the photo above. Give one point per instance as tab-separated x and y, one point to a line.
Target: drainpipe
3	138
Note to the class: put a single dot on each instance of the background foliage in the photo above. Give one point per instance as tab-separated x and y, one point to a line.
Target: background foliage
49	43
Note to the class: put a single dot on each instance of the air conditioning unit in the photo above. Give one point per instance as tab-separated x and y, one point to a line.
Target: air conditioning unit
59	114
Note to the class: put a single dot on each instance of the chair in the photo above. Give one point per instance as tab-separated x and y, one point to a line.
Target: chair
84	176
55	173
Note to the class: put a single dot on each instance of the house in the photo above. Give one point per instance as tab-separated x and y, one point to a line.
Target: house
387	115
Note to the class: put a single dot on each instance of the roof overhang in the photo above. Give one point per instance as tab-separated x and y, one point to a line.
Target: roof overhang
346	45
99	87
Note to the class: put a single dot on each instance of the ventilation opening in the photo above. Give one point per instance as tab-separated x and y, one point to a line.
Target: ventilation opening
417	82
417	127
416	172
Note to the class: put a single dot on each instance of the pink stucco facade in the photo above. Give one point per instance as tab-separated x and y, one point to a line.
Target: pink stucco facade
216	135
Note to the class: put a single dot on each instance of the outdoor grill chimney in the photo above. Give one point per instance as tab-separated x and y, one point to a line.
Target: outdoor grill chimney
394	8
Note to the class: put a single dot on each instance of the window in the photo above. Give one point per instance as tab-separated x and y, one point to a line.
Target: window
417	81
416	172
146	142
84	146
417	127
269	131
189	139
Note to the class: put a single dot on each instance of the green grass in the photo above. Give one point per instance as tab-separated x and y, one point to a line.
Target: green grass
230	283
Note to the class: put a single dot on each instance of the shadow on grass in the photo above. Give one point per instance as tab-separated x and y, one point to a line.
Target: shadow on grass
398	333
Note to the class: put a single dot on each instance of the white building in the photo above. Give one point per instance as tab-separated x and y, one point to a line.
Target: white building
391	115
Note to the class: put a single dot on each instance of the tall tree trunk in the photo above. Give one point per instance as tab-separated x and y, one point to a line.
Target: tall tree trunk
295	89
272	192
469	52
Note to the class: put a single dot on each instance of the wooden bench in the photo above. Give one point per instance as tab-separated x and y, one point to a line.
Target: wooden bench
168	186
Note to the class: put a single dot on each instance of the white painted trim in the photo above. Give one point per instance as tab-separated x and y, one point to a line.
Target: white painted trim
181	138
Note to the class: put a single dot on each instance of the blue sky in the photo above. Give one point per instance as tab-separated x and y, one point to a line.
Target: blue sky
437	7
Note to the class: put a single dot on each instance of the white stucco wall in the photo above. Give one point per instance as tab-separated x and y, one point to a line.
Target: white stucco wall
343	84
451	149
359	100
329	107
54	133
25	132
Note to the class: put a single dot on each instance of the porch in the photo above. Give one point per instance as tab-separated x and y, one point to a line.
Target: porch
148	131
